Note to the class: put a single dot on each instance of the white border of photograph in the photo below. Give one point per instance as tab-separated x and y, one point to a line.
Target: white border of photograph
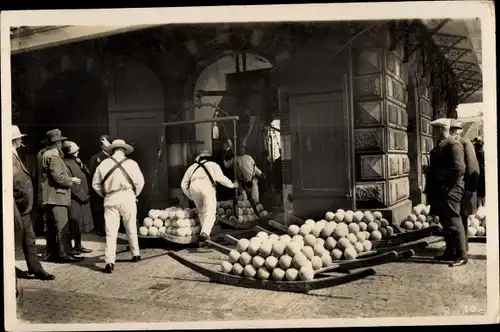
122	18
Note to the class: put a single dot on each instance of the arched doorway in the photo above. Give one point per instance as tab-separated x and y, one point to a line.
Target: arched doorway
136	111
74	102
241	85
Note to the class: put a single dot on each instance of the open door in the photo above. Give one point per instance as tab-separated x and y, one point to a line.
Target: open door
319	129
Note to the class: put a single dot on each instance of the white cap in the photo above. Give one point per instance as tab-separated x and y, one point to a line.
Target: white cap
441	122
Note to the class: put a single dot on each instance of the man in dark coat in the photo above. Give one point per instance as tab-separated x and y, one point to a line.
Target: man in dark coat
96	201
23	198
445	190
55	197
471	178
481	185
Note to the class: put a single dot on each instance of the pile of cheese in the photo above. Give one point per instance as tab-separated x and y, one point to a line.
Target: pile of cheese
246	214
477	223
276	257
173	220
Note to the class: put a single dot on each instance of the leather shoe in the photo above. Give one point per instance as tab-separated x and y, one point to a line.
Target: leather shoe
459	262
83	250
44	275
204	237
135	259
445	257
21	274
69	259
109	268
51	258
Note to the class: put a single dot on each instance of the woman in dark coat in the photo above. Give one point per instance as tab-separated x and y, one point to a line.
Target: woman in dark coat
80	214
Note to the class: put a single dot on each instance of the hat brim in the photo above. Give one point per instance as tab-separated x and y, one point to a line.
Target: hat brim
55	139
128	148
19	136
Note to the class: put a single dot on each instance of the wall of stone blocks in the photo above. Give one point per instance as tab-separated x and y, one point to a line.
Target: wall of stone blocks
381	120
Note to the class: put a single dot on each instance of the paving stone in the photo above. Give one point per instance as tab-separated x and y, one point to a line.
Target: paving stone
81	293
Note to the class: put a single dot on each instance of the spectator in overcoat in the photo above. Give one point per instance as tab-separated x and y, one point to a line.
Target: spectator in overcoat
80	214
55	196
23	206
445	190
471	178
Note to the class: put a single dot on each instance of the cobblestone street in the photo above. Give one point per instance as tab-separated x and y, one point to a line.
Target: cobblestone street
160	289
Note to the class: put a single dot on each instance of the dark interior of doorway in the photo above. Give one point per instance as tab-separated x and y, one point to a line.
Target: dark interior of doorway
251	93
75	103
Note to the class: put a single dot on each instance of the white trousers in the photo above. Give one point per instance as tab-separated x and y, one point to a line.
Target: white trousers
204	197
254	191
121	204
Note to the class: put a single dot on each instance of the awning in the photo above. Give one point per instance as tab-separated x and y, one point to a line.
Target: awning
24	39
460	43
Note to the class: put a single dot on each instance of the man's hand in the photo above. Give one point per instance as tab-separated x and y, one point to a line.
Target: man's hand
236	185
263	176
76	181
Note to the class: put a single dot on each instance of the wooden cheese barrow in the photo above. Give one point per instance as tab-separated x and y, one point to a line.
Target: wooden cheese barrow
393	240
320	280
365	259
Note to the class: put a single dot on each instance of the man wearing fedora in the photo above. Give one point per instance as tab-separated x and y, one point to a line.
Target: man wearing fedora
55	197
198	184
445	189
23	198
471	177
119	181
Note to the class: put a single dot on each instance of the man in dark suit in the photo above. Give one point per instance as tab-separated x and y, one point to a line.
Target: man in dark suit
96	201
471	178
23	197
445	190
55	197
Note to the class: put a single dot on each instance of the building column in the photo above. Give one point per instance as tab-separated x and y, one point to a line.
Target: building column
381	120
286	144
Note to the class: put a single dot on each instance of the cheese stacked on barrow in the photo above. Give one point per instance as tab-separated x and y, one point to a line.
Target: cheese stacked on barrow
420	218
245	212
279	258
173	220
477	223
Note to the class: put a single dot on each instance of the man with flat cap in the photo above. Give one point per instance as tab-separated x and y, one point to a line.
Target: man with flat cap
445	190
471	177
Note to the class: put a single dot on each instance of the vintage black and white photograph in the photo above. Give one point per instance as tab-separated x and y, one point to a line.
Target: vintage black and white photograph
320	164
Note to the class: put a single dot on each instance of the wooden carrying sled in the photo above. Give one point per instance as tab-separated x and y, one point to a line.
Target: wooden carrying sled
320	281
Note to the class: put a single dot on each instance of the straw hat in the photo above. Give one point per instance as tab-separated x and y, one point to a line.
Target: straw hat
455	124
119	144
203	153
16	133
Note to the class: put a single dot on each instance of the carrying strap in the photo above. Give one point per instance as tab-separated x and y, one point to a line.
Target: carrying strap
118	164
206	171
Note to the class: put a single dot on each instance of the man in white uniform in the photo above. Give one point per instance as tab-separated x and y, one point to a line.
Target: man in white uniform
198	184
119	180
246	172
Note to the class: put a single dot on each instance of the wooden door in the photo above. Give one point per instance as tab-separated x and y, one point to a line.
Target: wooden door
143	130
320	152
